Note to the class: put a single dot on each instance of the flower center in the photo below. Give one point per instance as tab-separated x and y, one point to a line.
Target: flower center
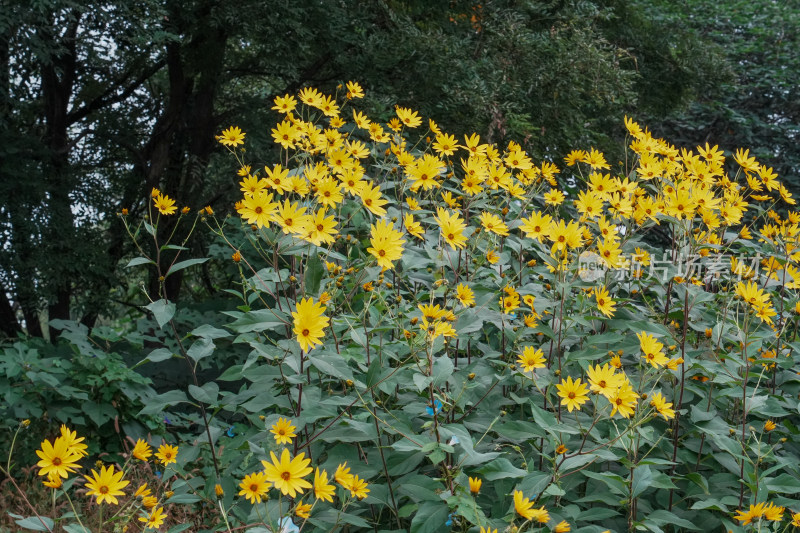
305	334
382	253
258	210
56	461
286	476
571	395
103	490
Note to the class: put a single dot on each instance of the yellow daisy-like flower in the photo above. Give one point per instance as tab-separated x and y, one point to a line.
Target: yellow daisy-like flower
53	481
154	519
487	530
75	444
605	304
309	323
465	295
413	227
354	90
358	488
106	485
475	485
303	510
233	136
452	228
322	489
408	117
287	473
523	506
142	450
164	204
562	527
651	349
624	401
661	405
573	393
493	224
57	458
372	199
258	209
531	359
167	454
254	486
342	475
603	379
387	244
283	431
754	513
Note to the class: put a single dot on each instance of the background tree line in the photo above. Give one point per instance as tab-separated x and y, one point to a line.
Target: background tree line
102	101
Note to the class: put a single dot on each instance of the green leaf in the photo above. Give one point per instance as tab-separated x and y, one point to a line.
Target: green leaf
784	483
157	403
180	265
500	468
661	517
314	272
642	478
207	394
136	261
34	523
331	366
202	347
259	320
430	517
163	311
442	370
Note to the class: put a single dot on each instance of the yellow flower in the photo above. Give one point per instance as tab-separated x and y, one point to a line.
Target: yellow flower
769	425
553	197
149	502
154	519
292	218
475	485
106	485
287	474
53	481
562	527
661	405
284	104
750	293
372	199
753	514
452	228
75	444
303	510
283	431
233	136
322	489
492	223
321	229
796	519
354	90
167	454
164	204
218	490
343	475
258	209
413	227
531	358
561	449
357	487
142	450
523	506
605	304
603	379
573	393
465	295
410	118
773	512
651	349
487	530
387	244
492	257
142	491
309	323
624	401
445	144
424	172
57	458
254	486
